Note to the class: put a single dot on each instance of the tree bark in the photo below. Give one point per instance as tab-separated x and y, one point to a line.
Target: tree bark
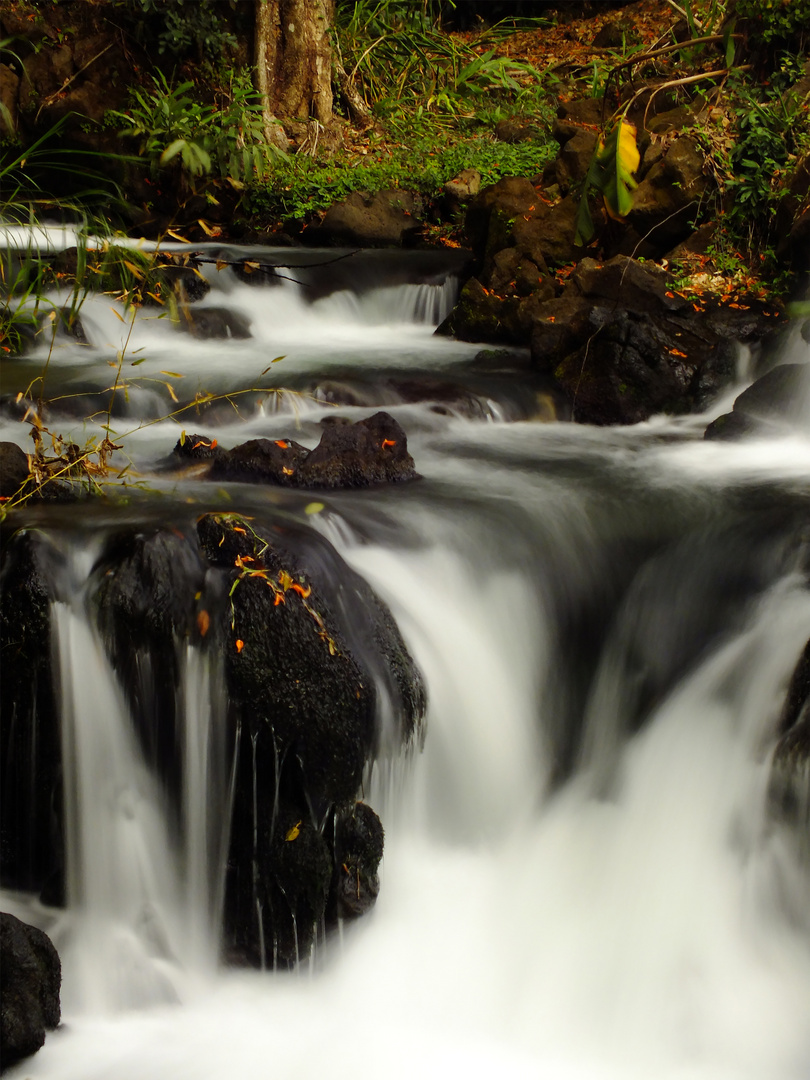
294	59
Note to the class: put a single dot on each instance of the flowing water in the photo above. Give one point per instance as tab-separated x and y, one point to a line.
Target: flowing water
581	875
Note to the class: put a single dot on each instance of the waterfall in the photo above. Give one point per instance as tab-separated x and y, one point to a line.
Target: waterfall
583	877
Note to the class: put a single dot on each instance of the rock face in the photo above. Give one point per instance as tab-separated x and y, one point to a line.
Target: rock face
30	981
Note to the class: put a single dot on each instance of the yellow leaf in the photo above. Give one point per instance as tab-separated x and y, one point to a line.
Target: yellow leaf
133	269
313	508
284	580
294	832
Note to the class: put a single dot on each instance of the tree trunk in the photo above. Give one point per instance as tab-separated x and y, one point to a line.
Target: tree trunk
294	59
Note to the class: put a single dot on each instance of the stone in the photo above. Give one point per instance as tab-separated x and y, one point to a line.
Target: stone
482	315
574	158
464	186
506	200
664	202
261	461
546	233
30	984
372	451
196	447
31	825
214	322
510	130
359	840
302	676
781	394
629	369
559	325
13	468
628	284
573	116
385	219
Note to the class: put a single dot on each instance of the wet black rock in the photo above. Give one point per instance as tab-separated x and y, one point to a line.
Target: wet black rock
144	589
384	219
371	451
214	322
261	461
779	397
13	468
308	648
359	840
31	815
30	982
197	448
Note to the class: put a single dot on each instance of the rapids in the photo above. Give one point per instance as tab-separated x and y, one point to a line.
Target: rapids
581	880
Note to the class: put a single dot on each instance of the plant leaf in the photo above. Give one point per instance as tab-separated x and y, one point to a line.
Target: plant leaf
619	158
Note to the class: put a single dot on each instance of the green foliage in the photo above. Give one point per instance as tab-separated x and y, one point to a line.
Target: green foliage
400	58
778	19
423	161
171	123
193	25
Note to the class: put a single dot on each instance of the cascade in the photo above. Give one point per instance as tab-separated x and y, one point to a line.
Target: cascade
584	877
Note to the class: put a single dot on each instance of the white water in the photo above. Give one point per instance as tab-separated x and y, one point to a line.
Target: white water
634	922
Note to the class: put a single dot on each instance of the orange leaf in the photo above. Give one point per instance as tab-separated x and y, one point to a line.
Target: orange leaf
282	443
279	599
239	644
236	528
389	442
203	622
301	590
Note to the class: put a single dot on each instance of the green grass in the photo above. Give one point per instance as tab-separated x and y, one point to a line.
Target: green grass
301	187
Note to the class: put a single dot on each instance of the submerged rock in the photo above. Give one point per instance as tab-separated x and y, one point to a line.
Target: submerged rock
30	982
789	787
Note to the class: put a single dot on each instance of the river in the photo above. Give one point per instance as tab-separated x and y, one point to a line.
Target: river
582	879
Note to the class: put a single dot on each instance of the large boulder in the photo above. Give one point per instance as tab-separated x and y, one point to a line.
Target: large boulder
30	983
664	203
13	469
384	219
779	397
308	648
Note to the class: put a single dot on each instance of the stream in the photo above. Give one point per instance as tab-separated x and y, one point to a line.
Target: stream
582	877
